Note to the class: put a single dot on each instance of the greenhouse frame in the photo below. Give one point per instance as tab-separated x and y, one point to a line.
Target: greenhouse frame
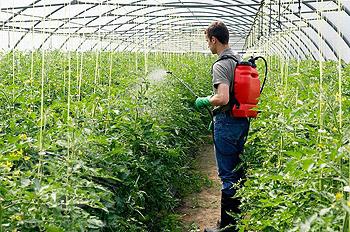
108	121
299	29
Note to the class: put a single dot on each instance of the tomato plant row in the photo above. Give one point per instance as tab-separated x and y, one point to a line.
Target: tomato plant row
298	151
87	142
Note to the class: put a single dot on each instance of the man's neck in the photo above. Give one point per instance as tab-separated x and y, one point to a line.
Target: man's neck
222	48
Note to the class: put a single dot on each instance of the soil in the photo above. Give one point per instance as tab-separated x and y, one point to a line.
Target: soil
202	209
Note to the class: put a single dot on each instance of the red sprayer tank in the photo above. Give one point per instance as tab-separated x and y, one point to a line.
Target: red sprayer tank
246	90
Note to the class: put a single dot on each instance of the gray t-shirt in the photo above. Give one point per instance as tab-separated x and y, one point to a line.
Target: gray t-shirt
223	71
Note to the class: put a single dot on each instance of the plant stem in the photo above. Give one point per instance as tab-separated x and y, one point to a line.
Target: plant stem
1	230
41	111
80	75
96	70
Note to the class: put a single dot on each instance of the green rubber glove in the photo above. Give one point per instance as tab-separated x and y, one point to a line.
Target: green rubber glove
202	102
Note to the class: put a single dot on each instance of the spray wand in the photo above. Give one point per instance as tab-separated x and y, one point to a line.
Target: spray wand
193	93
183	83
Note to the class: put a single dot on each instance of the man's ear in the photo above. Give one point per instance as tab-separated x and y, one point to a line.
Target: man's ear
213	39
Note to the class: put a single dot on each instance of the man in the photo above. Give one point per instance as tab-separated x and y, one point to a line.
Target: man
229	132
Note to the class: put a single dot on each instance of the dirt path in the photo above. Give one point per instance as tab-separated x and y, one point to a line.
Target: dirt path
202	209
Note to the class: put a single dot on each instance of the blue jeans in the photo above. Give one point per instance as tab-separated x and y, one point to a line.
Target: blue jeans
229	136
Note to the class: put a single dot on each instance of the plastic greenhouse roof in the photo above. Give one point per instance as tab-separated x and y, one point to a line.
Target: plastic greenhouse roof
293	28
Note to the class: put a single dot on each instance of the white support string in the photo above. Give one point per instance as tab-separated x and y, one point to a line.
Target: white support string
32	64
13	56
299	42
145	44
321	103
42	124
340	113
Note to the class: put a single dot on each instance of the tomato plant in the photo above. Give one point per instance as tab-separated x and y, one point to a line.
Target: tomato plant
297	154
88	143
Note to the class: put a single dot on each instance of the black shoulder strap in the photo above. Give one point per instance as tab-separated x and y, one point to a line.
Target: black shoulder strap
224	57
232	101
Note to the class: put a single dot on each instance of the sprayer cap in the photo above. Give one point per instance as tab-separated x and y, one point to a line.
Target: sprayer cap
246	63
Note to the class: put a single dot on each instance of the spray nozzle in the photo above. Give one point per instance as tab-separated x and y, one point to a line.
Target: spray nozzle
182	82
252	61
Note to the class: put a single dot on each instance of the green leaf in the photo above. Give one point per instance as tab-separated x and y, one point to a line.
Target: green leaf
53	228
308	164
94	223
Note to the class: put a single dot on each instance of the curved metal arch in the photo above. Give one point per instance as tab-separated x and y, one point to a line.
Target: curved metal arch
335	28
280	44
303	44
276	49
145	21
19	12
15	15
95	18
37	23
312	41
165	36
297	45
52	33
291	48
48	15
273	23
254	20
332	26
152	29
160	21
313	28
160	38
176	4
284	48
142	29
294	46
315	45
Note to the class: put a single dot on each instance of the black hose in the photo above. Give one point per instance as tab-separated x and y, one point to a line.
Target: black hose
263	84
261	89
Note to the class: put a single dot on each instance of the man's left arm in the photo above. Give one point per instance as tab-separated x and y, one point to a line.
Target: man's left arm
222	96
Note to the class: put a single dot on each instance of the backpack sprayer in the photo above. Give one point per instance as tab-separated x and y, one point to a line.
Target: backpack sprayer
245	89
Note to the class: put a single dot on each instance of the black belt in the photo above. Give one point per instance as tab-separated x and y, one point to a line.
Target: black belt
227	112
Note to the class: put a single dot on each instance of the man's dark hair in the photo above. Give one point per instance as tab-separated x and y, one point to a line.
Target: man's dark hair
218	30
